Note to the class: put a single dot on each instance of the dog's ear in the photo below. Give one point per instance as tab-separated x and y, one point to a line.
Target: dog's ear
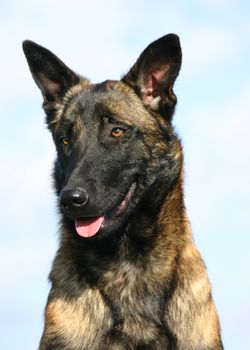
51	75
154	74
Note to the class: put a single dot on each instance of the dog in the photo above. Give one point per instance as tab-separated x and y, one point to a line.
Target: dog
127	274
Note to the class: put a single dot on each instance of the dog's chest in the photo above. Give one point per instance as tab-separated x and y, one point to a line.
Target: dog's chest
124	311
136	317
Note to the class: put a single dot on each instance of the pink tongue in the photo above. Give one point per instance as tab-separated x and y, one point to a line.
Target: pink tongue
88	227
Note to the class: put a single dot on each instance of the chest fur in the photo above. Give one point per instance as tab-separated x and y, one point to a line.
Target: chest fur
126	308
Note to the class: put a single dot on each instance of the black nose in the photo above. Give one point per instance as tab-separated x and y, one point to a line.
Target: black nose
73	199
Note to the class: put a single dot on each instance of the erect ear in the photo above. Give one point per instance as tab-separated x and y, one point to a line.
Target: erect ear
51	75
154	74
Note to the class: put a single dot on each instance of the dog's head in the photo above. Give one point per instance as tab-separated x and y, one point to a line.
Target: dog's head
114	140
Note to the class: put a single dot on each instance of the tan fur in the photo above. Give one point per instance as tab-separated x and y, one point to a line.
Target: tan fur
80	322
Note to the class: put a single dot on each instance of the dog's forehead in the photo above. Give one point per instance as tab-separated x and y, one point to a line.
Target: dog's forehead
109	97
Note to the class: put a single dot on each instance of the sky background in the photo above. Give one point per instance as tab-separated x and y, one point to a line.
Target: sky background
101	40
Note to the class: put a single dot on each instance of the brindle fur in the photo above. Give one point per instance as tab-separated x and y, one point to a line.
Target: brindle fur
141	284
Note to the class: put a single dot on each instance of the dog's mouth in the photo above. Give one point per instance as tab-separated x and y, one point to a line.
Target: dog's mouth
89	227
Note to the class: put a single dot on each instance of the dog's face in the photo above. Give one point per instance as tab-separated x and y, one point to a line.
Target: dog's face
114	140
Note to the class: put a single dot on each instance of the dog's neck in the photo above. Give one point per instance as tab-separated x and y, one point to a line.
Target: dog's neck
168	226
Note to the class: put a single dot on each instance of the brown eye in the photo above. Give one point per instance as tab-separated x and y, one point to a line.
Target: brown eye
117	132
65	141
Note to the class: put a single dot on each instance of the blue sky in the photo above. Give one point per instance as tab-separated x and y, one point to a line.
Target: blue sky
102	39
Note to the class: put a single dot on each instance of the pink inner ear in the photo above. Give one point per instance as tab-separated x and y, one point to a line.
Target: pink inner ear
154	82
161	74
152	87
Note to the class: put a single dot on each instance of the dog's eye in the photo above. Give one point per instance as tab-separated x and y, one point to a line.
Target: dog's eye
65	141
117	132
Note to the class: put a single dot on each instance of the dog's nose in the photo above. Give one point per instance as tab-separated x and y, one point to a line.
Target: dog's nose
73	199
